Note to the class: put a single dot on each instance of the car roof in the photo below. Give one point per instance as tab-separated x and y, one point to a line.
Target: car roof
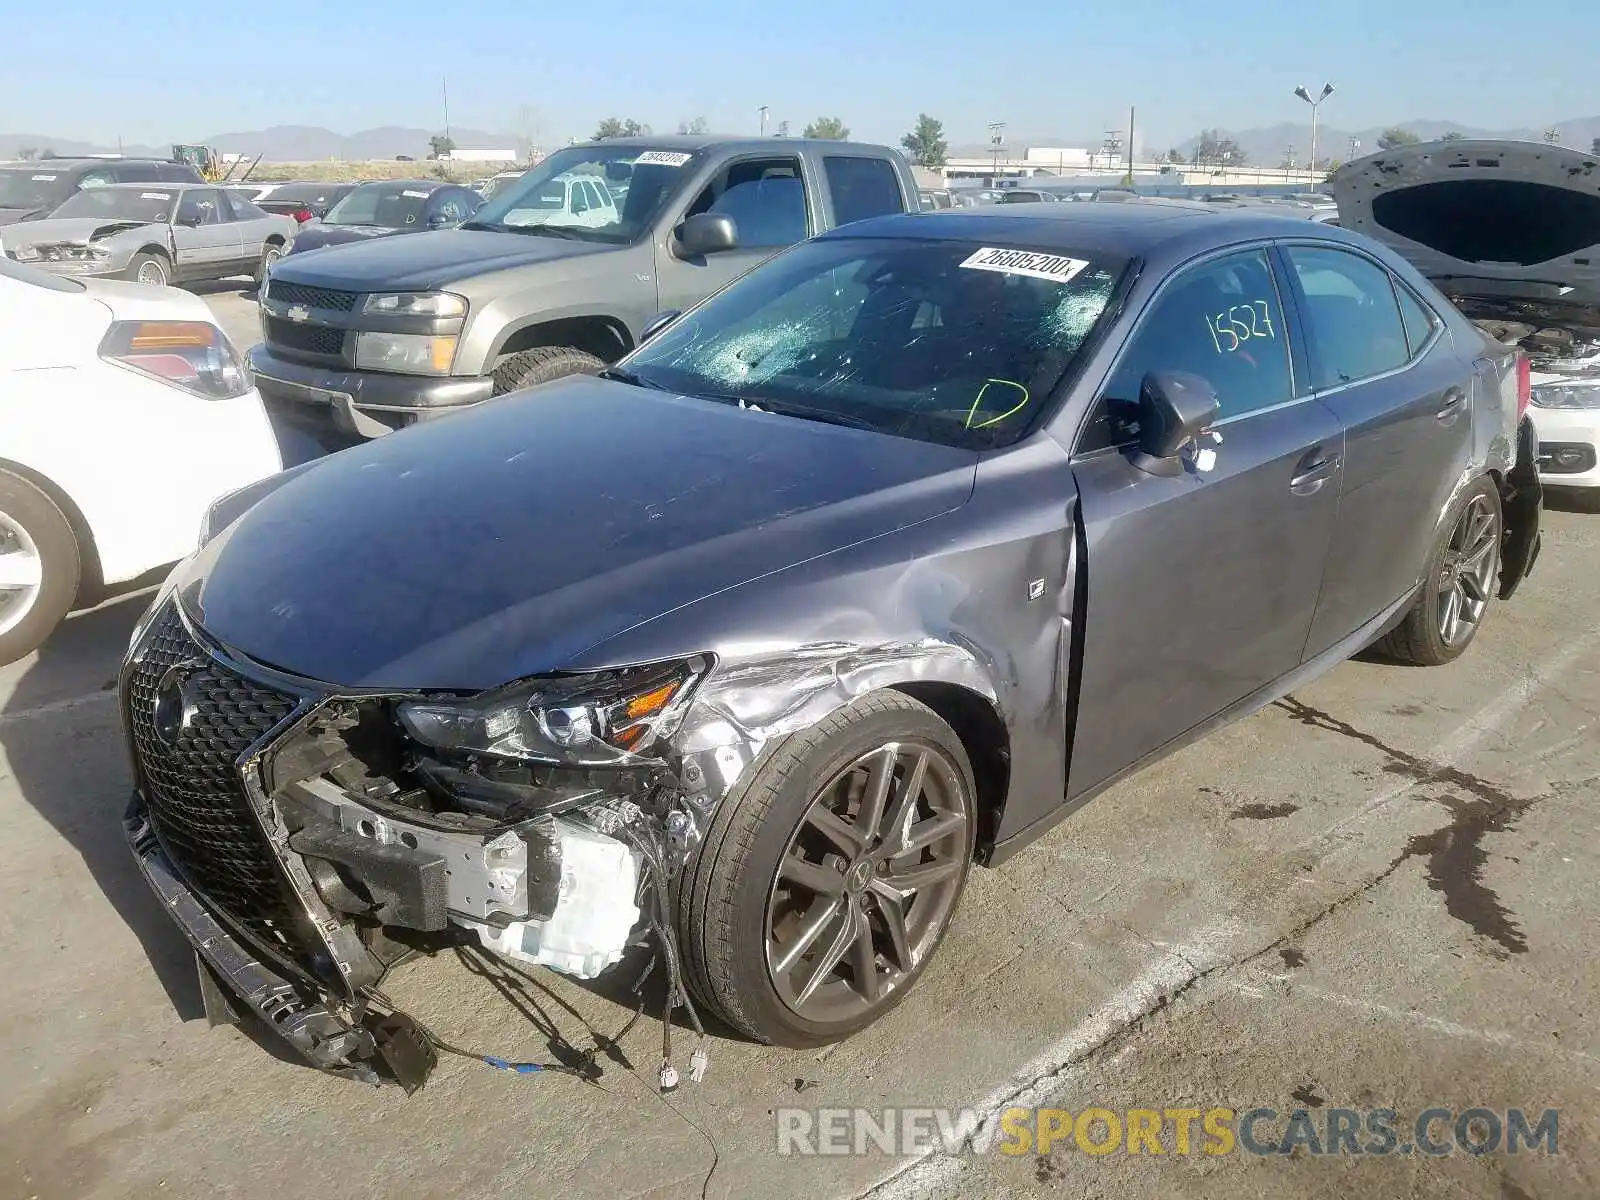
430	184
166	185
692	142
1140	229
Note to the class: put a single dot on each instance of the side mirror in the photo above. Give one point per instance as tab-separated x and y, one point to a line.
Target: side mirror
1174	408
706	233
657	323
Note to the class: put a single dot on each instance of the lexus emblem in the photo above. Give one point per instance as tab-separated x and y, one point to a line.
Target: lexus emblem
298	313
175	702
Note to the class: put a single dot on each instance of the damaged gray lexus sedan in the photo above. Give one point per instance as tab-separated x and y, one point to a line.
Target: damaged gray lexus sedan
876	564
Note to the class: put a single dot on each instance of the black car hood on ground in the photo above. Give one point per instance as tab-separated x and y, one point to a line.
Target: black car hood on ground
504	541
314	236
427	260
1483	218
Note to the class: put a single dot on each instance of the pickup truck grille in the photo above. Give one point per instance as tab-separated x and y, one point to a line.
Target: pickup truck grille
193	790
308	339
313	297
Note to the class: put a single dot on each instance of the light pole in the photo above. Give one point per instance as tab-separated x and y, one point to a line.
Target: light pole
997	137
1327	90
763	111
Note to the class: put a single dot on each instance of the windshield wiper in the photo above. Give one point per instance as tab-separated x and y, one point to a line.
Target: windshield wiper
633	378
803	412
486	226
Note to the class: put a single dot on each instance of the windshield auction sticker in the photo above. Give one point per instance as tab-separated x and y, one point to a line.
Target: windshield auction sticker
662	158
1057	267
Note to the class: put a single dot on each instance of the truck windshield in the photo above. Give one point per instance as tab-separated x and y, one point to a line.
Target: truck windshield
22	187
943	341
600	193
152	204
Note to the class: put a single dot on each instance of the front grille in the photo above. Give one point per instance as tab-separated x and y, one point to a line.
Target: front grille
311	339
312	297
193	791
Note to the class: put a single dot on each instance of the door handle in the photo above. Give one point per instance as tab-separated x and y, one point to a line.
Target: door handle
1313	470
1453	400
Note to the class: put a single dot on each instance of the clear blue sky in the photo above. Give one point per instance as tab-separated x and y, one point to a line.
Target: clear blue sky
95	69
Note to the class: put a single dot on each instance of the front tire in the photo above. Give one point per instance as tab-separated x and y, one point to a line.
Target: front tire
268	256
150	269
1460	579
829	876
39	567
541	365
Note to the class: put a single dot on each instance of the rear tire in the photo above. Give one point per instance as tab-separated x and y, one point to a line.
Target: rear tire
150	269
1458	585
541	365
827	945
39	567
269	256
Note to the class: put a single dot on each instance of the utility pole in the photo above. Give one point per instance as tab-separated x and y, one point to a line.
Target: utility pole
444	90
997	137
763	111
1130	145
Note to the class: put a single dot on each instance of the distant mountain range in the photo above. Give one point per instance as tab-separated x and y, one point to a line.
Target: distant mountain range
1265	146
283	143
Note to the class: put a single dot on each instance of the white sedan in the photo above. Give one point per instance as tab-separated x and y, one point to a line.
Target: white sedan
124	411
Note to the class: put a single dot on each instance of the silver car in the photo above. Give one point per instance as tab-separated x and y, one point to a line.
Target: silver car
154	233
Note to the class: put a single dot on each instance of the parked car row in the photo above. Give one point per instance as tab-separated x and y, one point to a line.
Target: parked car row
806	576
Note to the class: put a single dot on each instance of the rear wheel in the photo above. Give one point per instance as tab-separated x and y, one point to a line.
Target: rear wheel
541	365
39	567
1459	582
829	877
268	256
151	269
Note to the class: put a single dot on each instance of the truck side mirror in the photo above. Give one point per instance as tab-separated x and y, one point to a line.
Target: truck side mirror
656	324
706	233
1174	408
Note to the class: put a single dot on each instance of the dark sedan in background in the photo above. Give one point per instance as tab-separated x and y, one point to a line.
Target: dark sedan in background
305	201
372	210
878	563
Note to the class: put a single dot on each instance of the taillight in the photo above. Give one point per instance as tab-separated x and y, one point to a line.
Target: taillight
1524	384
192	355
302	215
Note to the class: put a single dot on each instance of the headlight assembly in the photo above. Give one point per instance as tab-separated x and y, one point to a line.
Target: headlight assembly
416	304
1583	393
608	718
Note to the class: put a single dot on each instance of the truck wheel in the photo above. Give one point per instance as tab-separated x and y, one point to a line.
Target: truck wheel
541	365
1457	585
151	269
829	876
39	567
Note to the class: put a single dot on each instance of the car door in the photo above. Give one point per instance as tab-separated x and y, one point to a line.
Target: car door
1201	586
252	225
768	198
1403	395
207	247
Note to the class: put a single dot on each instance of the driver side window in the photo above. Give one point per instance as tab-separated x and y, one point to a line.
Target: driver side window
766	198
1221	320
198	207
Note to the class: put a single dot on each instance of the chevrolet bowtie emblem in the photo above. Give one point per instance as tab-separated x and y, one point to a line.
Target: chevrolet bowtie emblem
298	312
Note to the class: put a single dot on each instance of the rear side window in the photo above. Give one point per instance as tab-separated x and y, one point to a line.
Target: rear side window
1221	320
862	187
242	209
1420	320
136	173
1352	320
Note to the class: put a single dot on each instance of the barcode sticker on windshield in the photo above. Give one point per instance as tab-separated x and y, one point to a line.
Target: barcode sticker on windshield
415	195
662	158
43	178
1056	267
155	195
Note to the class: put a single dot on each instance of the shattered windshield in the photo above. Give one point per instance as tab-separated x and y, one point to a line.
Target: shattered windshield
389	205
150	204
628	185
947	342
22	187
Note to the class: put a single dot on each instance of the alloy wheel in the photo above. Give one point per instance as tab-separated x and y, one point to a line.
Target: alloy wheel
1466	576
868	881
21	573
150	273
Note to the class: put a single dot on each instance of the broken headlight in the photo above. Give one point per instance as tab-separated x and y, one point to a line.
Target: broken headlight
1573	394
602	719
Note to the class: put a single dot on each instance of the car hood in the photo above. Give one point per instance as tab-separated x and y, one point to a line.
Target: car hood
69	229
1483	218
507	540
315	236
427	260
